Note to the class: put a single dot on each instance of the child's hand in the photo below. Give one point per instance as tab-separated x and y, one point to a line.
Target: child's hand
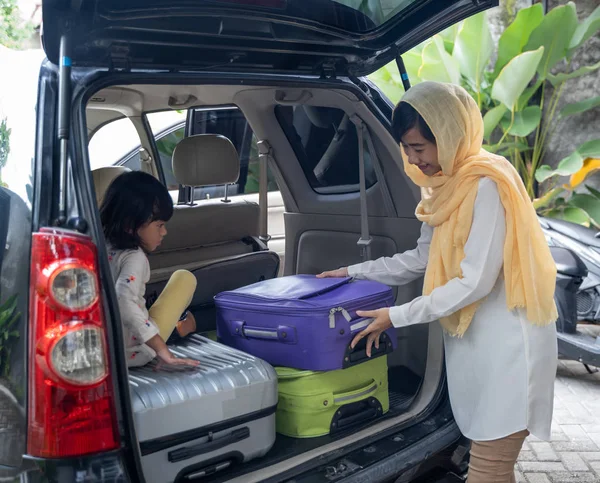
166	357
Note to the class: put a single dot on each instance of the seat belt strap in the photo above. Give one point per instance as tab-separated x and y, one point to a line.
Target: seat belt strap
364	242
264	153
390	209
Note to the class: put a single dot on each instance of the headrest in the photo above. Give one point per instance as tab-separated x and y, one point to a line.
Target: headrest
323	117
103	177
205	160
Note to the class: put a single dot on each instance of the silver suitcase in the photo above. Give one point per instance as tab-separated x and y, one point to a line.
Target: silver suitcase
194	422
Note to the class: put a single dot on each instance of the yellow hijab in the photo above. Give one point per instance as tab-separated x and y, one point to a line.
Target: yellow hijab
447	205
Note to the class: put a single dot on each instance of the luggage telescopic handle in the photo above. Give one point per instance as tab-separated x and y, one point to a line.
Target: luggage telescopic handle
211	445
281	333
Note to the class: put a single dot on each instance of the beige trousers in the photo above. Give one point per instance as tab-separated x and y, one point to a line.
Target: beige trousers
494	461
173	300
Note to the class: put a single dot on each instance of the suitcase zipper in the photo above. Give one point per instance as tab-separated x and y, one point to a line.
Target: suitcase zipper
332	313
262	309
356	396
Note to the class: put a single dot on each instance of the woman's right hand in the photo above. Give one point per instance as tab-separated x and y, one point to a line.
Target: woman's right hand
339	273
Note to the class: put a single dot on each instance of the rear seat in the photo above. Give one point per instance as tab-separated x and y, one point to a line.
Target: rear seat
216	240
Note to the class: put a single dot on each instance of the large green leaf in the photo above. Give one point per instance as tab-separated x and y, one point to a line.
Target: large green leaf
438	65
594	191
579	107
449	37
525	121
516	35
515	76
384	80
492	118
575	215
554	34
412	61
588	203
585	30
590	149
572	163
388	78
473	47
568	166
558	78
528	94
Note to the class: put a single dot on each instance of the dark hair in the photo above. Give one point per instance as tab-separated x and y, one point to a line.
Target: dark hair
132	200
405	118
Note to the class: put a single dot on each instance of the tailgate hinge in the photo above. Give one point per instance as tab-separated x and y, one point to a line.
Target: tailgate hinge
119	57
328	70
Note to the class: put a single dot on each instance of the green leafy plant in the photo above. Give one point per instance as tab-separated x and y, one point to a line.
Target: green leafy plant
13	31
9	316
4	146
519	95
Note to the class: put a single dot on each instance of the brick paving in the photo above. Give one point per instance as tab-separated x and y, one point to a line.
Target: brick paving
573	455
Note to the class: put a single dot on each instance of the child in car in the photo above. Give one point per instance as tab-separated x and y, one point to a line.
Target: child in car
134	213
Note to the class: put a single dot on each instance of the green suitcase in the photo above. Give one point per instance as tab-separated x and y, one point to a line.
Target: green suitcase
314	404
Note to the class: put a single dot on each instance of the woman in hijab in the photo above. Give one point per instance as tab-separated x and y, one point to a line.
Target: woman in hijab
489	278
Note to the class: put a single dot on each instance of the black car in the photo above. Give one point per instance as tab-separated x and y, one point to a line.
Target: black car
294	71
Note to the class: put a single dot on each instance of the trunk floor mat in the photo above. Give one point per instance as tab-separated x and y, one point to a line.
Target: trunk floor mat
403	387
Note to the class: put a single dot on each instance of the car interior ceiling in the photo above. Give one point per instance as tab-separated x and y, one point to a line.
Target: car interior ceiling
322	135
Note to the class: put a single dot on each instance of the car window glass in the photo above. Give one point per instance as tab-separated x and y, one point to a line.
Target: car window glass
227	121
112	142
325	142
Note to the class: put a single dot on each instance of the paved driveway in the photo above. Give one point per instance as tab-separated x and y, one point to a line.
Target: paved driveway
573	455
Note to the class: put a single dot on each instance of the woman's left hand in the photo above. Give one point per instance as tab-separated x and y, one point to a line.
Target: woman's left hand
381	323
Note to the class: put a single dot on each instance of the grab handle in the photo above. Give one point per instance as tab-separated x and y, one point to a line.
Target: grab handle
281	333
280	98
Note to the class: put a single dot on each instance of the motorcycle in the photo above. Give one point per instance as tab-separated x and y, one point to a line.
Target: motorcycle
576	251
586	243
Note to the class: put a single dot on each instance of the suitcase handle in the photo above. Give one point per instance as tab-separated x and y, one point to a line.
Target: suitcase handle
188	452
281	333
354	413
358	355
341	398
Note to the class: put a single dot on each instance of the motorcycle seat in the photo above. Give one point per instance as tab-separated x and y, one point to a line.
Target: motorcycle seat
572	230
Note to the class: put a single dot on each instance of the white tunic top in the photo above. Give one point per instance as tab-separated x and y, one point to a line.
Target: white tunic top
131	272
501	372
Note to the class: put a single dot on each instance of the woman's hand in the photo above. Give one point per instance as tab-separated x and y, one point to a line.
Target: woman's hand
381	323
165	356
339	273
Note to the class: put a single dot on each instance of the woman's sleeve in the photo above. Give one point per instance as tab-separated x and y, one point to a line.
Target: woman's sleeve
400	269
484	254
129	285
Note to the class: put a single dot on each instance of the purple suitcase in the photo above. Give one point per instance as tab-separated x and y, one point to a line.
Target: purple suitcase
302	321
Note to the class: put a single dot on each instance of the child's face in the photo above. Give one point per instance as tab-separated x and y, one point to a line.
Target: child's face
152	234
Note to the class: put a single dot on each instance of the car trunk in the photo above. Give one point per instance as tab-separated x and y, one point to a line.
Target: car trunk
415	367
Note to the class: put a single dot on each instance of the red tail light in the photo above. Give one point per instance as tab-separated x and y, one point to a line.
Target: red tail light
71	402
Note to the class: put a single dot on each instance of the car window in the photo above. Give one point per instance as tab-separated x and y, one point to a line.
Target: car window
325	142
113	141
228	121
